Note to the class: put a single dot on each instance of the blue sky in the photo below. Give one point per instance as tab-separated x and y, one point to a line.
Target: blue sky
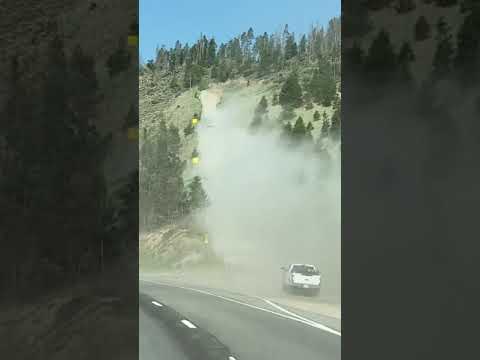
163	22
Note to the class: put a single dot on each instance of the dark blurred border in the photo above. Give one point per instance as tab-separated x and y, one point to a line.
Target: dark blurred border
69	179
410	175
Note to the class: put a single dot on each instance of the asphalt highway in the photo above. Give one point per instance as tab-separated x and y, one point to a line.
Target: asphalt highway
248	329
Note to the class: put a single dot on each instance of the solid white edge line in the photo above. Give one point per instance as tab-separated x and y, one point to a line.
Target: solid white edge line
326	328
157	304
309	323
188	324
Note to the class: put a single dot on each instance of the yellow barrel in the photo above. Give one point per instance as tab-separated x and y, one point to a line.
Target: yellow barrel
194	121
132	134
132	40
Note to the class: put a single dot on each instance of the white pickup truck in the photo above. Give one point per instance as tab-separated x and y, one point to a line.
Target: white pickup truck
301	277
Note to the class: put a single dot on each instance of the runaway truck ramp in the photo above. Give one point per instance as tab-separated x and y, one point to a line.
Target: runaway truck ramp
197	343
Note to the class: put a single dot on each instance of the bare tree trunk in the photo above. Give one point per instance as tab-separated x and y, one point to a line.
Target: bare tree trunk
101	254
15	280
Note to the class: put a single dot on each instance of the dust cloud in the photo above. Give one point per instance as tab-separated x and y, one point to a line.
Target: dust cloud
270	206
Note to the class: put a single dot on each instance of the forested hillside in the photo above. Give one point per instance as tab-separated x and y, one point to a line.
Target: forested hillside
303	73
57	171
247	55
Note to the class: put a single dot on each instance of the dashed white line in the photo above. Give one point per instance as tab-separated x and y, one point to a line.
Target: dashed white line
188	324
294	318
157	303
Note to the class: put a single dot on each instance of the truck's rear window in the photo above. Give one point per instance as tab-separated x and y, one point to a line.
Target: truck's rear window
304	270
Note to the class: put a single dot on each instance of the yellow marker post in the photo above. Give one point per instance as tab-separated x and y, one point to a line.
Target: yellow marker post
132	40
195	160
132	134
205	239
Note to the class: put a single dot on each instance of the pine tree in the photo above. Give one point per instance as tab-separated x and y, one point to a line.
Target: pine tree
308	133
290	47
442	60
17	133
405	58
422	29
177	54
173	138
256	122
174	83
291	92
286	134
83	87
195	153
129	207
249	45
308	101
328	89
277	58
299	130
214	72
380	63
259	113
187	76
302	47
335	127
325	126
212	52
150	66
405	6
353	60
322	86
262	106
316	116
197	197
236	51
264	48
223	71
275	100
56	114
193	75
120	60
467	59
131	120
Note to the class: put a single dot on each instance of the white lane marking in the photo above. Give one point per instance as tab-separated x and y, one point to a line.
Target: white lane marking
326	328
188	324
231	358
157	304
309	323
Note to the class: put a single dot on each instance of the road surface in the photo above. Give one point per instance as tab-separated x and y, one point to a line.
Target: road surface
252	330
156	342
245	280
